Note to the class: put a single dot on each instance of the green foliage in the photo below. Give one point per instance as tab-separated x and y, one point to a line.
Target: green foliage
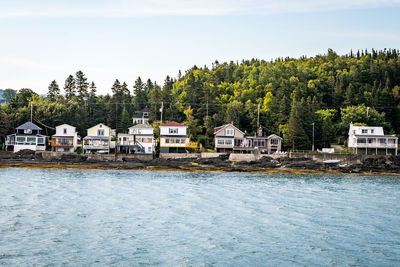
53	91
328	90
8	94
70	87
125	122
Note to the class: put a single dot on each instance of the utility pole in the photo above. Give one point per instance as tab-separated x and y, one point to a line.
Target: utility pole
367	111
258	116
31	111
313	126
161	110
116	116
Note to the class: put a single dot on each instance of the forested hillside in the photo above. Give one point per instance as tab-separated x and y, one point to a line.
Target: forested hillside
291	94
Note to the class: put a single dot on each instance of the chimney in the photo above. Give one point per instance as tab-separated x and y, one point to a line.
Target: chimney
260	131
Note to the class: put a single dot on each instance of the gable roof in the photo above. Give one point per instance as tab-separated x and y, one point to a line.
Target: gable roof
274	136
99	124
377	130
28	125
139	114
220	128
66	125
173	123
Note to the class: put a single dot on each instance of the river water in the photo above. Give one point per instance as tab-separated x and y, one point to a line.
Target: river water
141	218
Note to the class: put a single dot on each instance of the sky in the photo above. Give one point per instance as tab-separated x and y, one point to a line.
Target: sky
45	40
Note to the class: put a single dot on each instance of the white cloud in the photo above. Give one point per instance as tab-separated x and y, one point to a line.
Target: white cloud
134	8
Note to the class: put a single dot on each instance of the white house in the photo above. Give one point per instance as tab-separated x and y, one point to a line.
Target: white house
141	117
274	143
173	138
369	140
140	139
27	136
65	139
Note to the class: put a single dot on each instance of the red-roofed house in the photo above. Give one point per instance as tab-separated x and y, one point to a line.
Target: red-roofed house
173	138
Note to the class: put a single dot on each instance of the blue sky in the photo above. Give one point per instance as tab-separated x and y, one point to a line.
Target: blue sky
44	40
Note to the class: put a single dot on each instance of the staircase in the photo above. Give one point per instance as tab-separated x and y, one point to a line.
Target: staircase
139	148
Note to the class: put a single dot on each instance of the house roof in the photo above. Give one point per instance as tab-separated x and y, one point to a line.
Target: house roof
96	138
274	136
28	125
139	114
217	129
173	123
140	126
99	124
66	125
370	130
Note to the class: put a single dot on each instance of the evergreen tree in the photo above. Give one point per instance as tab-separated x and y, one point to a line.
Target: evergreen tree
116	88
69	87
81	84
296	137
53	90
125	121
93	89
139	94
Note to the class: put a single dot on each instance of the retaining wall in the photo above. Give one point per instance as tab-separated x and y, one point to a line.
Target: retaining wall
179	155
51	155
320	157
209	155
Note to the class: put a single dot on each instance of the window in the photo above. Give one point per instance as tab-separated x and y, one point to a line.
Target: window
364	131
100	132
361	141
229	131
238	142
167	141
172	141
40	140
149	149
274	141
31	140
65	130
228	142
177	141
220	142
20	140
173	130
382	141
391	141
259	143
372	131
27	131
183	141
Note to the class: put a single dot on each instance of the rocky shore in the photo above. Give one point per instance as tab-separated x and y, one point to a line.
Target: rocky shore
367	164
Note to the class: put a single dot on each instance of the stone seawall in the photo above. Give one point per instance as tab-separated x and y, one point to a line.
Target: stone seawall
321	157
179	156
51	155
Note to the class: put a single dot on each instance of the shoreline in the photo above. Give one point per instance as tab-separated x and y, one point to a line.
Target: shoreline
299	164
100	166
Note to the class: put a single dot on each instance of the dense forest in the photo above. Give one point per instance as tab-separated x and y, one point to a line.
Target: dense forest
291	95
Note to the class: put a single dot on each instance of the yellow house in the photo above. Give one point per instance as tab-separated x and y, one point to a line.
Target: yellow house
98	139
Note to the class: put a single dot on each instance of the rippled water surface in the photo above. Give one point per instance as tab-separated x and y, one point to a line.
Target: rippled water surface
130	218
